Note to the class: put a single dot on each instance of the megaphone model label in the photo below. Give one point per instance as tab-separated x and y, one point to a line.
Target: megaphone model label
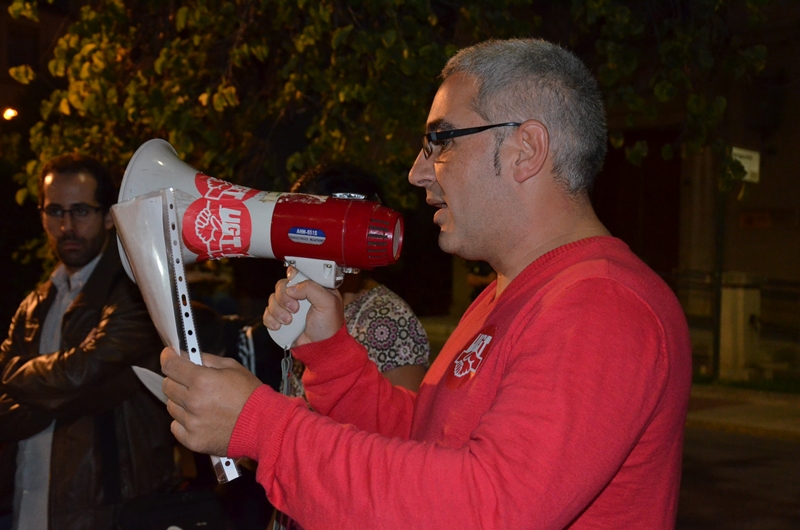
309	236
218	224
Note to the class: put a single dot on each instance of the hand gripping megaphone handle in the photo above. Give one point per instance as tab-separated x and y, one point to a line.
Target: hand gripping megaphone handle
324	272
288	333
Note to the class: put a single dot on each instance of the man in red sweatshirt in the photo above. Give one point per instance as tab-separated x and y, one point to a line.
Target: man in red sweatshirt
560	399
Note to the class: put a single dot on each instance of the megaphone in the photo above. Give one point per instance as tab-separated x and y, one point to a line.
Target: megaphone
323	237
170	215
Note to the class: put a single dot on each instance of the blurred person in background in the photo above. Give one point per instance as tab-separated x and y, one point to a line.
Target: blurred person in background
79	433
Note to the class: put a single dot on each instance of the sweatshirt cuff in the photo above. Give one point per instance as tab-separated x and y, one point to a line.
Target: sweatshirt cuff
333	357
261	425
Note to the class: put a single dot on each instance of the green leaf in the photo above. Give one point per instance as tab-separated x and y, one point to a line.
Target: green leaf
112	96
340	35
409	67
704	57
21	195
617	139
388	38
695	104
756	57
22	74
608	74
230	96
98	62
74	95
90	103
636	153
667	152
63	107
21	8
260	52
181	17
664	91
46	108
218	102
87	49
57	67
86	71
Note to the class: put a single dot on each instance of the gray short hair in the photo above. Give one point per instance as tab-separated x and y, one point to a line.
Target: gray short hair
523	79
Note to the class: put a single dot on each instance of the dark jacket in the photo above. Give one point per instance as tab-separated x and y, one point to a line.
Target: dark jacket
92	394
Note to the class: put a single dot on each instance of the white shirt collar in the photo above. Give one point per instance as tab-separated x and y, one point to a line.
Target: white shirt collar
75	281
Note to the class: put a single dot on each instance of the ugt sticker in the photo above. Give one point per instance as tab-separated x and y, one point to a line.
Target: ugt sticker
466	364
218	224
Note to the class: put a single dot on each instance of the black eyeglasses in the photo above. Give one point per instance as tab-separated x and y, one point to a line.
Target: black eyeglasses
437	138
79	211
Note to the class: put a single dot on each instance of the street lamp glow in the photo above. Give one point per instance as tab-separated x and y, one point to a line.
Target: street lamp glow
10	113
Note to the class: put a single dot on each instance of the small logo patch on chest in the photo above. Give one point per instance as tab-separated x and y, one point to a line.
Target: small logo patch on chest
466	364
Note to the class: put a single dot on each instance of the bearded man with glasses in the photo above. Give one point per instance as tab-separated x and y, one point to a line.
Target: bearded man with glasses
78	432
560	399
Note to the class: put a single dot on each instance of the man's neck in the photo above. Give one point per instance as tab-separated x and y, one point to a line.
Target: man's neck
565	221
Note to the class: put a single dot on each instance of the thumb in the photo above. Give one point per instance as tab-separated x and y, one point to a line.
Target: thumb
216	361
170	360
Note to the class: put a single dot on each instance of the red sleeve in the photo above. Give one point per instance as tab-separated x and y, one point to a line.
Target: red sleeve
574	401
341	382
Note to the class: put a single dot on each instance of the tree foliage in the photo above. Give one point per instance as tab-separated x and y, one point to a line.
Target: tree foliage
259	90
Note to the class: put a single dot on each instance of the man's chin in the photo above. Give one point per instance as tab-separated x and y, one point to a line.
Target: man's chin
75	259
446	243
75	254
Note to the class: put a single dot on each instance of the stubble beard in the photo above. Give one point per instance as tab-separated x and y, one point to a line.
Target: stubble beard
79	257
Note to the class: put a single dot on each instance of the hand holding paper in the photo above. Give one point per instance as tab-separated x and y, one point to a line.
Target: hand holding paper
205	400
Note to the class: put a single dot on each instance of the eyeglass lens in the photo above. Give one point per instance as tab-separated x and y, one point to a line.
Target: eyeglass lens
79	211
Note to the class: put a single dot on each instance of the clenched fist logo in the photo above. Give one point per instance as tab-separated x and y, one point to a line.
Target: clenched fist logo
218	219
471	359
218	189
466	364
207	226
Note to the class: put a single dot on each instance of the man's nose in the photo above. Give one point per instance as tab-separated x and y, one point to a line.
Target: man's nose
422	173
67	222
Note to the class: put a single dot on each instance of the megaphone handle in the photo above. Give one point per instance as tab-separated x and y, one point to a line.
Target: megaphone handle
288	333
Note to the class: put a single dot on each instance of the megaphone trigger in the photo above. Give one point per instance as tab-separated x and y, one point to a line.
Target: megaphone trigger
324	272
287	334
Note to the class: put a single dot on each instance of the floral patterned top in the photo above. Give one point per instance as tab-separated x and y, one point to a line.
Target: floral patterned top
386	326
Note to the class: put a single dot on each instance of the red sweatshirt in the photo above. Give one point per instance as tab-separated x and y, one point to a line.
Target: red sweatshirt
561	404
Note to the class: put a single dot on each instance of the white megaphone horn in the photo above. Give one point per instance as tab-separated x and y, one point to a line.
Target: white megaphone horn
322	237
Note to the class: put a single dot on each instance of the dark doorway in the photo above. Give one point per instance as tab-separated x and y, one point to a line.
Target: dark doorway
641	204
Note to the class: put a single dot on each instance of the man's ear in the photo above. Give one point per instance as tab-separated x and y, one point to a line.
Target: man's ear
533	142
108	221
